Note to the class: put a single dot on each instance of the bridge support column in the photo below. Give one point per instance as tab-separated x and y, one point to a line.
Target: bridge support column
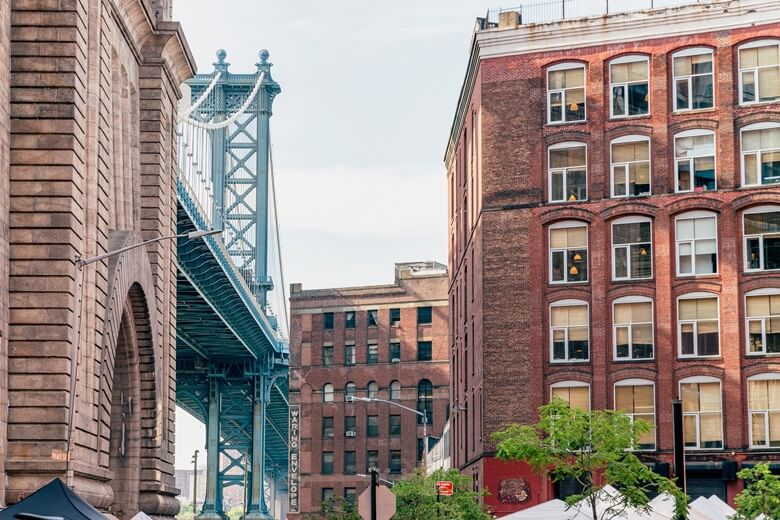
212	504
258	509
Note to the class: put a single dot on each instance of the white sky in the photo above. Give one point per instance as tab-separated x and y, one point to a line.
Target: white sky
368	94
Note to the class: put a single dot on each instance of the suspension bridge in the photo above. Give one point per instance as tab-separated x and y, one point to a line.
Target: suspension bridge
231	315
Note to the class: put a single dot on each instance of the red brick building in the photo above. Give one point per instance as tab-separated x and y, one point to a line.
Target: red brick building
386	342
614	233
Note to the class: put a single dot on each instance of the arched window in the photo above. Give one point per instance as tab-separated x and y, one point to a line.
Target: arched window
632	328
702	412
568	252
425	401
629	79
632	251
761	231
694	160
373	390
630	166
567	173
566	93
760	154
698	333
636	399
395	391
762	316
764	410
697	243
693	79
350	391
327	393
759	68
569	331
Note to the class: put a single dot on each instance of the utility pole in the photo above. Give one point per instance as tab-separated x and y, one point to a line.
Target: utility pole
679	443
195	483
374	484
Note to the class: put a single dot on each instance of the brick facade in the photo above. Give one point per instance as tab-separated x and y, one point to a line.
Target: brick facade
500	218
412	289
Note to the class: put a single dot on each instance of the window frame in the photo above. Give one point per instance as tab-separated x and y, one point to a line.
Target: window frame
372	388
372	360
684	53
764	376
567	303
350	389
350	323
372	432
394	417
693	215
764	42
759	153
567	224
695	296
428	351
326	317
331	358
759	292
756	210
372	318
322	463
564	146
332	427
390	352
697	132
390	390
639	382
569	65
350	354
395	322
631	219
628	300
633	138
572	384
702	380
326	393
630	58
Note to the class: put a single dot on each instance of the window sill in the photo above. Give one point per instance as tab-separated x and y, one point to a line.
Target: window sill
564	284
557	202
694	111
694	192
624	118
694	358
760	271
642	360
560	123
757	103
747	187
569	362
762	354
697	276
633	280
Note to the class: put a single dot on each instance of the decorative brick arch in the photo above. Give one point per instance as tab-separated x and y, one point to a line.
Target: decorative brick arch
695	203
629	208
755	198
692	124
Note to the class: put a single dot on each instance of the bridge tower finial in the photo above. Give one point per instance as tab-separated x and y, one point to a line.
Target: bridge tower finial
221	65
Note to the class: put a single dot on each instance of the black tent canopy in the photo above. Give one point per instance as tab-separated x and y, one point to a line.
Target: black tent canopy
54	501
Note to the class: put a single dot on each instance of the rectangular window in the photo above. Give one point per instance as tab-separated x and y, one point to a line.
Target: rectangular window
327	463
350	496
763	324
372	355
693	81
566	94
761	156
395	426
350	463
327	355
349	355
424	315
327	321
762	241
695	162
372	317
567	173
350	425
424	351
349	319
632	253
638	403
575	396
633	330
569	254
569	332
702	416
327	494
759	70
395	461
372	460
697	320
764	412
395	317
629	84
327	427
372	426
697	248
631	168
395	352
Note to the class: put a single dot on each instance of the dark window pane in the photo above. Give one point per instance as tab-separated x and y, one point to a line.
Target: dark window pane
638	99
350	423
327	463
559	348
621	262
686	339
557	266
349	319
708	344
372	426
327	427
770	167
704	175
349	355
684	175
395	425
327	321
748	87
395	352
771	252
395	317
424	315
576	185
578	349
682	96
556	186
643	350
641	264
372	354
373	317
577	270
327	356
350	467
372	460
619	101
702	91
395	461
424	351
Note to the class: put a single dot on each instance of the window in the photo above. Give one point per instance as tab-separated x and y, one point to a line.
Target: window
420	450
425	401
350	466
568	252
569	331
694	156
395	391
327	427
764	410
567	173
575	393
759	71
327	355
629	78
630	166
372	426
632	319
762	309
395	352
395	317
697	247
350	425
424	351
327	463
693	80
632	252
372	460
349	354
636	399
424	315
372	318
327	493
697	319
566	93
395	426
373	390
372	354
349	319
327	393
395	461
762	238
761	154
350	390
327	321
702	415
350	496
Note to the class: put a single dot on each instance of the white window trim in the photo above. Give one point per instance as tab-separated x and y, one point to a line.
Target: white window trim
567	303
694	133
624	300
694	215
631	58
325	392
567	66
703	379
752	45
623	140
638	382
742	153
767	208
566	224
692	51
571	384
768	291
695	296
766	376
559	146
631	219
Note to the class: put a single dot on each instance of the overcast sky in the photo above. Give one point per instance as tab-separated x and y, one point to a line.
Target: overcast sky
368	94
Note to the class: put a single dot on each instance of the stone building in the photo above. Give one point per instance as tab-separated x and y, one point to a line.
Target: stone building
88	97
614	220
387	342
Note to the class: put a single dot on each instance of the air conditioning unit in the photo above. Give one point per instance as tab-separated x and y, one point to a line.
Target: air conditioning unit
395	360
350	433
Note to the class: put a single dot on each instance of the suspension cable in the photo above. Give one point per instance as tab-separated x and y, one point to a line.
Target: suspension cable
276	225
237	114
195	106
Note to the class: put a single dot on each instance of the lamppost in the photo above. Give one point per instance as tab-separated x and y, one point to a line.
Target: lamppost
195	483
80	264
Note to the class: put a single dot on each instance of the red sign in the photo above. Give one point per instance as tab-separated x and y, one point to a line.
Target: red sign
444	487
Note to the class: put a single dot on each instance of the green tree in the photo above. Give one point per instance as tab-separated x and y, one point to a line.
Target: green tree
761	494
185	511
416	498
335	508
592	447
235	513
